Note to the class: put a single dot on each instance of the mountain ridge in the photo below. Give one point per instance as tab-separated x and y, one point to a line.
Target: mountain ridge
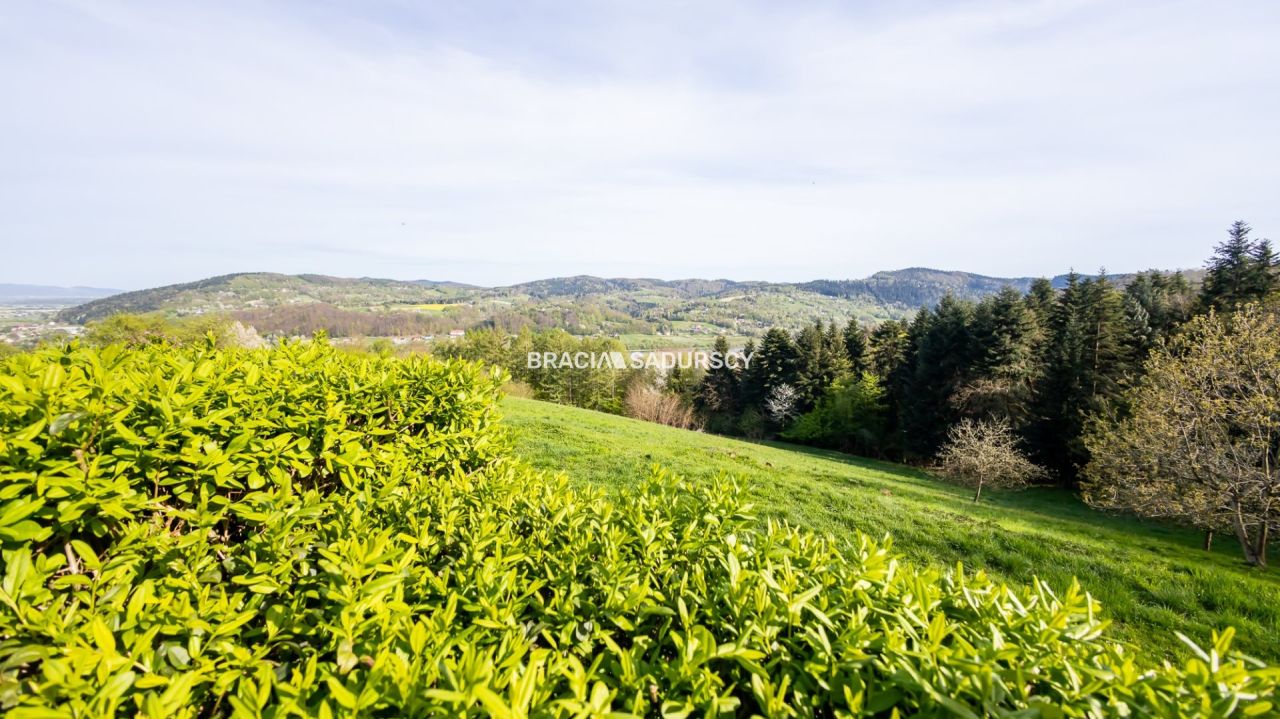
579	303
10	292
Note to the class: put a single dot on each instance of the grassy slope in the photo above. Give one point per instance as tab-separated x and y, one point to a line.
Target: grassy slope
1152	579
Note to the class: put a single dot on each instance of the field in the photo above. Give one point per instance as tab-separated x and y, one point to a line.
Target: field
639	342
1152	580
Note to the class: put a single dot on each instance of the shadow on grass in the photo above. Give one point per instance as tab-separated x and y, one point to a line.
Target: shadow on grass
1058	506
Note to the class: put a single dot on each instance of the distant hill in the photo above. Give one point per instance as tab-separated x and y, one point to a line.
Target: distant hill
252	290
924	287
626	307
14	293
918	286
581	285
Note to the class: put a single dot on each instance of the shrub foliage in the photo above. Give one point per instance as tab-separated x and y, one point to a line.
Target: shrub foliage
299	532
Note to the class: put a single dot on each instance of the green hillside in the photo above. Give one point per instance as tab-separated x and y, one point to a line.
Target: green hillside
649	313
1152	580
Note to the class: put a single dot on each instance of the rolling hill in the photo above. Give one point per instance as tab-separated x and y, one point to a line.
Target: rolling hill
1152	579
645	312
228	293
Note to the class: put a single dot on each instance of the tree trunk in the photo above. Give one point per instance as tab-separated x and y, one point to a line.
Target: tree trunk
977	493
1242	534
1261	551
1208	540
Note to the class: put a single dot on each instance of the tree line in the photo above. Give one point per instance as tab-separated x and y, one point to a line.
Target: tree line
1043	362
1157	397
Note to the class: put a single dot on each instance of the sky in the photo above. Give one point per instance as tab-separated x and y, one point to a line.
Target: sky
148	143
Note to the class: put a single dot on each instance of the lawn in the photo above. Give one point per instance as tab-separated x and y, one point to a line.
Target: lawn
1152	579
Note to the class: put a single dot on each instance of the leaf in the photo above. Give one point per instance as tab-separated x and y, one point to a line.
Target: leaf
127	434
25	531
102	636
341	693
64	420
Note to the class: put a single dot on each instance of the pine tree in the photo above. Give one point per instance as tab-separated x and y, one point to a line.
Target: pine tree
943	356
1235	275
855	346
1264	274
1006	336
821	360
774	364
719	392
886	349
1087	360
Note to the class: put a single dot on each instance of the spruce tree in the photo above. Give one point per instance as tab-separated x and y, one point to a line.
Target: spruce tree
855	346
774	364
718	393
1264	273
821	360
1006	336
1234	274
943	354
886	349
1087	361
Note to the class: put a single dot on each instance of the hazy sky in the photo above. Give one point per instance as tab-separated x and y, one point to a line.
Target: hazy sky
145	143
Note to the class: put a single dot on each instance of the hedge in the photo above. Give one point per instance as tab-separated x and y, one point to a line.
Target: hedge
298	532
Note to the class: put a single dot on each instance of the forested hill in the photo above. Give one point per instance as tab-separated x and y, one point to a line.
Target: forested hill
249	290
881	296
921	286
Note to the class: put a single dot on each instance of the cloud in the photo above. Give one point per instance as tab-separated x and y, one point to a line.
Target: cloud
487	142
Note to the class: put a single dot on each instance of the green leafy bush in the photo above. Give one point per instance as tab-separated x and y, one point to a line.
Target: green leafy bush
850	417
299	532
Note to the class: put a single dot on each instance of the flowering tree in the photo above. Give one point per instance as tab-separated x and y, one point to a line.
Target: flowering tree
782	404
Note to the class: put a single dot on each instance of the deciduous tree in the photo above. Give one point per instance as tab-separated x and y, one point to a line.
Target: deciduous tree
983	453
1201	440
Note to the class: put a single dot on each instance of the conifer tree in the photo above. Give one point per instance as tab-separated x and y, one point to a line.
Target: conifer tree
836	353
1160	301
821	360
1264	276
1040	298
718	394
886	349
810	381
943	352
1086	360
1240	270
855	346
1006	337
774	364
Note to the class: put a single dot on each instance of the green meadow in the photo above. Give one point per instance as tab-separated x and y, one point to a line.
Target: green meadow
1153	580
